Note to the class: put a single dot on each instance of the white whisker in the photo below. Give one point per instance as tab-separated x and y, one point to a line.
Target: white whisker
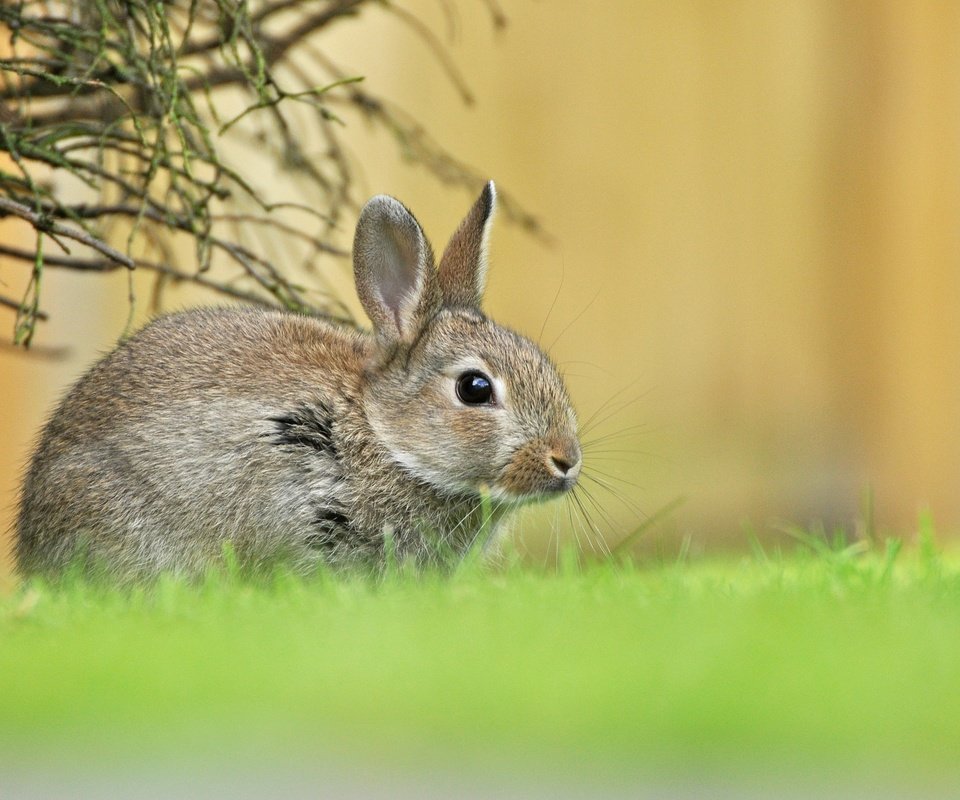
600	540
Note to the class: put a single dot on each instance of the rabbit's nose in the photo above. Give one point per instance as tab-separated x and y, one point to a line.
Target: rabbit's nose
564	462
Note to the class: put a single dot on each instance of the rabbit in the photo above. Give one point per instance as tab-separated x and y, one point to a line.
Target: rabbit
294	439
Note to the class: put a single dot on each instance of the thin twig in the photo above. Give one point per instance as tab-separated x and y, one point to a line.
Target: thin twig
47	225
16	305
96	265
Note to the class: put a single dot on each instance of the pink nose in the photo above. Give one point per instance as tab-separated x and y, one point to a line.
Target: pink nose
564	461
561	464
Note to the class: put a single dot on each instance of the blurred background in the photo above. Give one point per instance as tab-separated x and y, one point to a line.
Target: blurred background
752	276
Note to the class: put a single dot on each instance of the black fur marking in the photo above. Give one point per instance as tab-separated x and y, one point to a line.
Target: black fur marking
333	527
308	425
331	519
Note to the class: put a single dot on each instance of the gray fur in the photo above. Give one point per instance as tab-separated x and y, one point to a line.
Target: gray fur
296	440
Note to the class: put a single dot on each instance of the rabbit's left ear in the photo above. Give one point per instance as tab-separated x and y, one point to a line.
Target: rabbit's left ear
463	268
393	270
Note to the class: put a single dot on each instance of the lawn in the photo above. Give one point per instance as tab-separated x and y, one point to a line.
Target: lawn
820	660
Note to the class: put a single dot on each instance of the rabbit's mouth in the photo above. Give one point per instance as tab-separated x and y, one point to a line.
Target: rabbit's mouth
507	497
539	471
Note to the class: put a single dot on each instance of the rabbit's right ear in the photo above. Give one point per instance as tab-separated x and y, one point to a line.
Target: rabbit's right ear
393	269
463	266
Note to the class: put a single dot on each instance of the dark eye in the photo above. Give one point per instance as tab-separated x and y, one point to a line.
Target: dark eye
474	388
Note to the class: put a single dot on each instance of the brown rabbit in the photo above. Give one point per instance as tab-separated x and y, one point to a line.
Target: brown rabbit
294	439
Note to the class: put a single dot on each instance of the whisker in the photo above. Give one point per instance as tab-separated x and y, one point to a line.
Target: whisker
554	534
607	403
617	460
593	364
618	451
612	407
593	471
621	498
600	538
450	536
604	514
576	536
571	519
575	319
555	528
563	271
619	433
573	527
581	516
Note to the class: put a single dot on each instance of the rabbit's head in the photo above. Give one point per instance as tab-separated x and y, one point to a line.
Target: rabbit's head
457	400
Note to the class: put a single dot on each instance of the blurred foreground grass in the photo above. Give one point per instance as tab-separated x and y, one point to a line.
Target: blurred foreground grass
827	661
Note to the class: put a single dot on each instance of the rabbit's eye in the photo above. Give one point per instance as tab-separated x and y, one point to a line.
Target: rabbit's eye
474	388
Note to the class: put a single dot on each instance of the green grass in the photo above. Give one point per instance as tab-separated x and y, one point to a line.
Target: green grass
829	660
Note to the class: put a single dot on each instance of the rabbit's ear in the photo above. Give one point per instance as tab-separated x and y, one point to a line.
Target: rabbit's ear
463	268
393	269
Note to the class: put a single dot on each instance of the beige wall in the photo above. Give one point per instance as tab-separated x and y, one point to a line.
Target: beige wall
755	210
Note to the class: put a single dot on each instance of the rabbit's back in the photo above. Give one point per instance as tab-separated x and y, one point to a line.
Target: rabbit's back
206	427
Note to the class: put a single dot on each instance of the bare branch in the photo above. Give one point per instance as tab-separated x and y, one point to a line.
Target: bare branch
98	265
126	101
17	306
45	224
435	47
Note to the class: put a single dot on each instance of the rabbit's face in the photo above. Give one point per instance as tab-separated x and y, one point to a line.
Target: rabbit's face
470	404
457	401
